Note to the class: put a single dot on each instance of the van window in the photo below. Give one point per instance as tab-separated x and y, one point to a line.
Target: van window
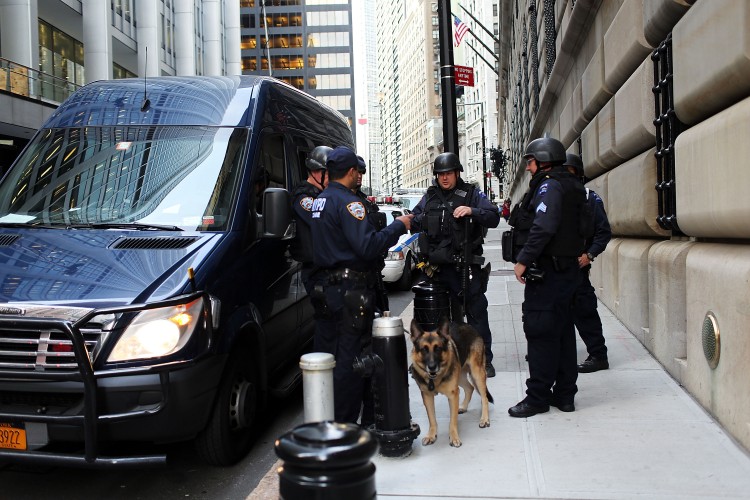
173	176
271	171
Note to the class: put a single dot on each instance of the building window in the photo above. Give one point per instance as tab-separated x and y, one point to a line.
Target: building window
60	55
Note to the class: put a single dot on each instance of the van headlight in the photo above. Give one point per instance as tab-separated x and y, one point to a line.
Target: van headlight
158	332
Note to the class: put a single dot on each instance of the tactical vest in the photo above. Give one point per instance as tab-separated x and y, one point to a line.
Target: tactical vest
569	240
446	235
301	247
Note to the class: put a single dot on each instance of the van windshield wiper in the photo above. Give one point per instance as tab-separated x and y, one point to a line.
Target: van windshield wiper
138	226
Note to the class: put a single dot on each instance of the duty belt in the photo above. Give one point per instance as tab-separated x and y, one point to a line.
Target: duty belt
336	276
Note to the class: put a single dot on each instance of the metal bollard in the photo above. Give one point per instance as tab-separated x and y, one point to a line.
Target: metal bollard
317	385
431	303
326	461
387	368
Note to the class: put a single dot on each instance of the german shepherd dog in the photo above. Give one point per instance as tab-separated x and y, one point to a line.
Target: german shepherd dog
441	361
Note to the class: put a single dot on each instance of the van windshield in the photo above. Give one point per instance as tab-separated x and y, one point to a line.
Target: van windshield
185	177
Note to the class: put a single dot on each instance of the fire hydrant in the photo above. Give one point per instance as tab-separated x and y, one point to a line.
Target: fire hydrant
387	368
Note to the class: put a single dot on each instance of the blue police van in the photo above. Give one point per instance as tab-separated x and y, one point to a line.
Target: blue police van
147	294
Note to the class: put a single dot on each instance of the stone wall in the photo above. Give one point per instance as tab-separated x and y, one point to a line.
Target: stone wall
661	284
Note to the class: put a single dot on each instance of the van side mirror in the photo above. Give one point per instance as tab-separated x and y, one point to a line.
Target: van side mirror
277	213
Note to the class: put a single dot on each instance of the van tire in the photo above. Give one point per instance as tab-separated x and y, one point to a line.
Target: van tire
230	431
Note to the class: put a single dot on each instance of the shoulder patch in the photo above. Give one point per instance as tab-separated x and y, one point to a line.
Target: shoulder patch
306	203
356	209
543	188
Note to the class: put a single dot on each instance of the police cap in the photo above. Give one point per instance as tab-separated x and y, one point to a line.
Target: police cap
361	165
341	159
446	162
317	158
546	150
575	162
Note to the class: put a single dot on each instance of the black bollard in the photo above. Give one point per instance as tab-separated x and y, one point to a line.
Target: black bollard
431	303
326	461
386	366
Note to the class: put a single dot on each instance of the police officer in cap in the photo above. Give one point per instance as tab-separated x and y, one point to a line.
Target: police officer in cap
379	220
347	248
548	222
452	214
303	196
585	316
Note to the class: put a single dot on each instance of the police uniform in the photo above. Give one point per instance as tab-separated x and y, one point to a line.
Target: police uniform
585	315
548	223
347	248
301	247
378	221
433	216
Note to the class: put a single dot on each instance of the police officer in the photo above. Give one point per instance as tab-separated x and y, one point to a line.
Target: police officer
549	223
379	221
347	247
449	209
585	315
303	196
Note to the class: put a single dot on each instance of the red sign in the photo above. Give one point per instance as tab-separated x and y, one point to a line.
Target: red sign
464	75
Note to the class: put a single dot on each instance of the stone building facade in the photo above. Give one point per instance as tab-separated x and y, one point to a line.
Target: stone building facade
655	96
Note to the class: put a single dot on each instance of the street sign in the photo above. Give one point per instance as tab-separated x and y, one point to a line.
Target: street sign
464	75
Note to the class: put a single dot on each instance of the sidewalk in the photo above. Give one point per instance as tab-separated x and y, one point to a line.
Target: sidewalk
635	432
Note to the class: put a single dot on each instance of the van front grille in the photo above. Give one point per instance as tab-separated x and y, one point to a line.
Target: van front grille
43	350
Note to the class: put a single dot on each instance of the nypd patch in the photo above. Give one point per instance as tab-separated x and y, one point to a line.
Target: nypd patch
306	203
356	209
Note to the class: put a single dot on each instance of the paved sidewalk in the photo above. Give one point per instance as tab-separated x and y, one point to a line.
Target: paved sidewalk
635	432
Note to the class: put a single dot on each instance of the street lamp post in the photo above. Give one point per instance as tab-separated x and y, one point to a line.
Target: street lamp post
484	152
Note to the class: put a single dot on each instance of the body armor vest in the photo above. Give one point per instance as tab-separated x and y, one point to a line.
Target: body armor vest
569	240
301	247
446	235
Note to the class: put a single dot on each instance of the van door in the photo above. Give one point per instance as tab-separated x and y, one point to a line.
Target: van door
271	268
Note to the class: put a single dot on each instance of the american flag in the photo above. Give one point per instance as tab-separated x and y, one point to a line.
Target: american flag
460	29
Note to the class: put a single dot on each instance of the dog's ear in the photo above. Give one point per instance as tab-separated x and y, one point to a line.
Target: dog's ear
444	327
415	330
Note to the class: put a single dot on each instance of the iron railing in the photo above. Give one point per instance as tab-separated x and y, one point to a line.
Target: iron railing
33	84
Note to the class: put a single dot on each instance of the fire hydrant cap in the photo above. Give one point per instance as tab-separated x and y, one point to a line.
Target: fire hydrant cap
390	326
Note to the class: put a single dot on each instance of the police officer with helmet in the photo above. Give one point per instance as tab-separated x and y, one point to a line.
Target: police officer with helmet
585	316
303	196
347	248
549	223
453	216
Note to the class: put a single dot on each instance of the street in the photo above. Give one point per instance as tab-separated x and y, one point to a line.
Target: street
183	477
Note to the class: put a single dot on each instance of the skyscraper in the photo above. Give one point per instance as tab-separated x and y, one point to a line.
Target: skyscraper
306	43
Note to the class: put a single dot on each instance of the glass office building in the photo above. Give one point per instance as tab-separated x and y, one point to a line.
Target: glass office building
306	43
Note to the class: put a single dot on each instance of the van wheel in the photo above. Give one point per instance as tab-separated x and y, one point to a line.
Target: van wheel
229	434
404	282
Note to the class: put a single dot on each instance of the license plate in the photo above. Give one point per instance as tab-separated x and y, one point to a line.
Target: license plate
12	436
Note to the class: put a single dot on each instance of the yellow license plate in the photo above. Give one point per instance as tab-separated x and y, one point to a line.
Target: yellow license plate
12	436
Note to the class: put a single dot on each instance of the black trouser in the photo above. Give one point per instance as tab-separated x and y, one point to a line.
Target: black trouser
548	324
346	332
476	301
586	317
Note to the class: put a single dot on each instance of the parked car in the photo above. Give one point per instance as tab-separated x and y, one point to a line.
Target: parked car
147	295
401	259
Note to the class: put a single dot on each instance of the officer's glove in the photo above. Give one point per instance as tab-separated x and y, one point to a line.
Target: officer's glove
427	268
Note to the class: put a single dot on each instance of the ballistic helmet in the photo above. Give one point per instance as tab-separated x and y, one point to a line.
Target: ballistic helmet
575	162
317	158
546	150
446	162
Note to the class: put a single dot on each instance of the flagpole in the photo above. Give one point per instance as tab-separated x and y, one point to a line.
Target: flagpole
447	78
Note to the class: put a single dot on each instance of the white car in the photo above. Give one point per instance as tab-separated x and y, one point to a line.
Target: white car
402	257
